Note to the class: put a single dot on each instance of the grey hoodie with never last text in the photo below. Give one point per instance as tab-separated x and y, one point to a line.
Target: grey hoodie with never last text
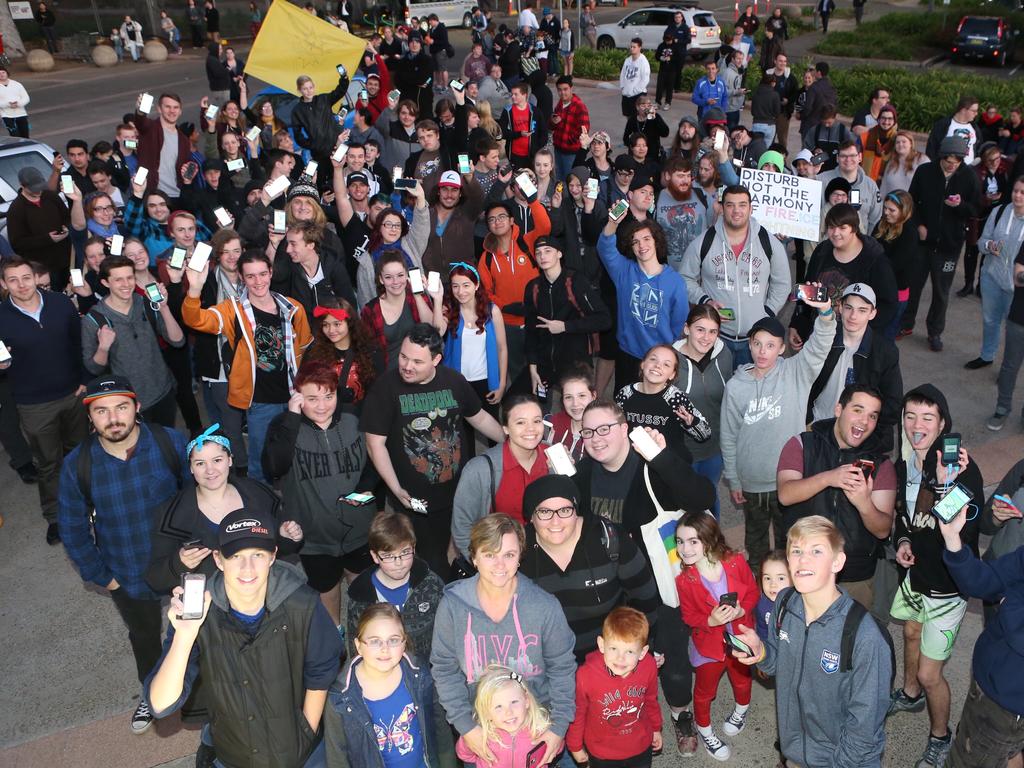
828	718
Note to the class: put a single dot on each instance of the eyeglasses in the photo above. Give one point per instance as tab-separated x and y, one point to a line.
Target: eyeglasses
103	208
499	217
543	513
388	557
391	225
602	430
376	643
848	156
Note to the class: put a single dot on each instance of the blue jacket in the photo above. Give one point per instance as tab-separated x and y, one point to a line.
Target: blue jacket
706	90
453	351
999	651
351	741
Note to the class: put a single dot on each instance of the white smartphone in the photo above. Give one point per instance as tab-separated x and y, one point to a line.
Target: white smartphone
559	460
339	153
211	112
235	165
5	354
464	166
416	280
433	282
719	140
223	217
177	260
644	443
618	210
253	134
193	598
200	257
311	167
278	185
593	186
394	95
526	186
396	173
67	185
116	245
280	225
141	175
76	278
146	103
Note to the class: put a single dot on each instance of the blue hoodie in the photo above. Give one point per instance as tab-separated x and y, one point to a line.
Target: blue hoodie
532	638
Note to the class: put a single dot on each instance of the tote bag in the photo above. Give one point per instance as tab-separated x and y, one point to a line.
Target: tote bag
659	536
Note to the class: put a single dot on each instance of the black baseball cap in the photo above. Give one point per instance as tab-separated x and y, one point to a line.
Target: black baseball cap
641	180
357	177
105	386
770	325
549	241
245	529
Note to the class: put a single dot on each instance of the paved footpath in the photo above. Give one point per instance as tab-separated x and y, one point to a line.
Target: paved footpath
68	675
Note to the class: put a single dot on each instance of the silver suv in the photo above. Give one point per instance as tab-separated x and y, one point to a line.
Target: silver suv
15	154
649	25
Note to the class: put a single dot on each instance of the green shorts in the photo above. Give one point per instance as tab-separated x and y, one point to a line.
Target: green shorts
939	617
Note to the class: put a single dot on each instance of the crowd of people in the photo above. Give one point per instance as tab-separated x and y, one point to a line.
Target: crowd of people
471	382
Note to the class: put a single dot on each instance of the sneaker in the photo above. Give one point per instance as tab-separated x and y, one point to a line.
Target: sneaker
28	473
52	534
715	747
976	363
734	723
965	292
902	334
143	718
996	421
686	737
205	756
935	752
666	107
935	343
900	702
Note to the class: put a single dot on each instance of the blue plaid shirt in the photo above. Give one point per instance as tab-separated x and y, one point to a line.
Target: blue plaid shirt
125	494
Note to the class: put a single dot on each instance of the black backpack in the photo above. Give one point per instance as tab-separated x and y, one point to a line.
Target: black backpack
854	617
83	469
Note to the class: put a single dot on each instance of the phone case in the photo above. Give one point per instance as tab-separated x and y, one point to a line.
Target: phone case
223	217
416	280
433	282
76	278
177	260
141	175
644	443
339	153
193	597
200	256
278	185
116	245
146	103
559	459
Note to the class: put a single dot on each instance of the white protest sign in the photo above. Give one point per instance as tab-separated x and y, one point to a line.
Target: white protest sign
783	203
21	11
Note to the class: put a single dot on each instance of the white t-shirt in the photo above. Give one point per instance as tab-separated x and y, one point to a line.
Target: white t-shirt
964	131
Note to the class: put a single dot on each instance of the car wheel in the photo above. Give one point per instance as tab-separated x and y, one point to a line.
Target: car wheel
467	21
605	43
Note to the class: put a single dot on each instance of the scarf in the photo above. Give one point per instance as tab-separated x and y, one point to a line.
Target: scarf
286	311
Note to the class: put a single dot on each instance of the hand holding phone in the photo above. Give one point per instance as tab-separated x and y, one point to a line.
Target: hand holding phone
949	506
1004	509
193	596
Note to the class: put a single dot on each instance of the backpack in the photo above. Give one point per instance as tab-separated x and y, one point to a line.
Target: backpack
593	339
999	216
854	617
83	469
709	238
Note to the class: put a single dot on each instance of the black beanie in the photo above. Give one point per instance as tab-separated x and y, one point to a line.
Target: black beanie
549	487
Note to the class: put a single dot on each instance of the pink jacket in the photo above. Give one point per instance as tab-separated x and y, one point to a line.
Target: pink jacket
508	755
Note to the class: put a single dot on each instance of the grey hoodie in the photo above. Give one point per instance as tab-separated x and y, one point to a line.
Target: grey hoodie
751	288
707	390
532	638
760	415
828	718
473	497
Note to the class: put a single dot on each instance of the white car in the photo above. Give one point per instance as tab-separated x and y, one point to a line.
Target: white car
649	25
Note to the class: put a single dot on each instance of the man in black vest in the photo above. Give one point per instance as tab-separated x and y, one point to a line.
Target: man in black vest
257	612
838	470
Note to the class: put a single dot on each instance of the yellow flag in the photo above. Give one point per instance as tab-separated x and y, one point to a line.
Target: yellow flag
293	42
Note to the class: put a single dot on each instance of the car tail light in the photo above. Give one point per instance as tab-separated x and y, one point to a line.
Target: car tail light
954	49
693	31
999	33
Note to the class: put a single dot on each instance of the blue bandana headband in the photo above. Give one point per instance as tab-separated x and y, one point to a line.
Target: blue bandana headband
464	265
208	436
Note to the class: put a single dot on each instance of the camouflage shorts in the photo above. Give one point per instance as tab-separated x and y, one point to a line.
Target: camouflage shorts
987	735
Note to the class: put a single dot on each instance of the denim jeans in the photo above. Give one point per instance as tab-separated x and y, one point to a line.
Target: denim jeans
897	321
259	416
765	129
995	306
711	468
1013	356
740	352
564	162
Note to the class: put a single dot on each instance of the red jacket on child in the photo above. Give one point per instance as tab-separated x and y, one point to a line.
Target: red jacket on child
696	604
616	717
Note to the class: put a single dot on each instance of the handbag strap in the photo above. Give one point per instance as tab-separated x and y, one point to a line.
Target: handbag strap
650	490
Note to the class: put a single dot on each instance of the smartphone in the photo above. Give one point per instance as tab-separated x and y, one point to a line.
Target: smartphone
418	505
339	153
593	185
211	111
116	245
341	70
278	185
559	460
280	225
235	165
396	173
866	466
526	186
67	185
820	159
253	134
727	313
131	144
416	280
364	95
146	103
189	171
618	210
535	755
464	166
951	448
738	644
193	544
729	598
644	443
457	85
1006	500
719	140
193	598
949	505
141	175
359	499
405	183
5	354
200	256
809	292
394	95
854	197
177	260
433	282
153	293
76	278
311	168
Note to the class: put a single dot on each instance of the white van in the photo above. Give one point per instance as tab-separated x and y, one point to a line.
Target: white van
451	13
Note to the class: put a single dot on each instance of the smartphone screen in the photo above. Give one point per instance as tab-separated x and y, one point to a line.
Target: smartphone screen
311	167
339	153
76	278
618	210
738	644
526	185
193	597
116	245
593	185
854	197
280	222
394	95
223	217
457	85
211	112
464	166
153	293
719	140
253	134
130	144
341	70
950	504
359	498
146	103
278	185
177	260
200	256
235	165
416	280
141	175
5	354
364	95
951	448
67	185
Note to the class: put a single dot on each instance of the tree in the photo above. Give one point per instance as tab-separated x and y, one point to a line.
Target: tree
13	46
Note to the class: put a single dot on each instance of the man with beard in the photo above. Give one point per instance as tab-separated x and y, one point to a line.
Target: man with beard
682	209
687	139
455	206
121	473
428	163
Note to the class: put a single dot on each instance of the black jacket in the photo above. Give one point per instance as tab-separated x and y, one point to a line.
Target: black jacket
314	123
207	345
787	88
822	453
876	363
579	232
290	280
412	78
218	76
947	227
902	253
654	130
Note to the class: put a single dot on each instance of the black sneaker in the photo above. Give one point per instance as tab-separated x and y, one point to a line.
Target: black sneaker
976	363
715	747
52	534
964	292
28	473
935	343
142	719
686	736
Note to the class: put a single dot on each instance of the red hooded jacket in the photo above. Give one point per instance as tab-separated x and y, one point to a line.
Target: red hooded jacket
696	604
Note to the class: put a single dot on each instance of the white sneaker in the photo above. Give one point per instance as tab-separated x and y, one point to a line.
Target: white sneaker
714	746
734	723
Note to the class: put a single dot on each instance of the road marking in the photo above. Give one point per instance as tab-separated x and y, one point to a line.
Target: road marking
64	131
73	104
1013	71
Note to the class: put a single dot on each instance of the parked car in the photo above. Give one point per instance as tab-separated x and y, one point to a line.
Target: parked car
649	25
988	38
15	154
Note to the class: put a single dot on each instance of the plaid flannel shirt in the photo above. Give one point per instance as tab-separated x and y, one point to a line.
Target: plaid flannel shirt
565	135
137	223
116	545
